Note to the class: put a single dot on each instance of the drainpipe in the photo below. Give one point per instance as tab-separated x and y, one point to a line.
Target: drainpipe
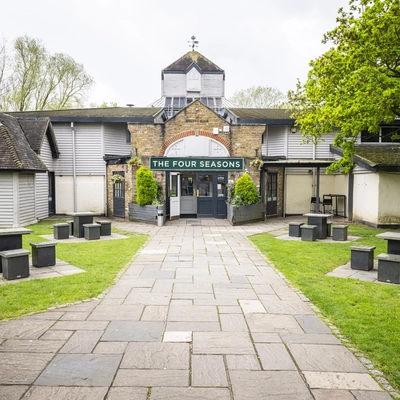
350	200
74	167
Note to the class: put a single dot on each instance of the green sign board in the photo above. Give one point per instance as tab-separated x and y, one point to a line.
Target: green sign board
196	164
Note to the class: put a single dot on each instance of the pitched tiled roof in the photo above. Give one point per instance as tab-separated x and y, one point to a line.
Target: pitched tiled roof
36	130
193	57
112	114
15	151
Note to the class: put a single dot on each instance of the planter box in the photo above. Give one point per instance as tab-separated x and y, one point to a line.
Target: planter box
147	214
244	214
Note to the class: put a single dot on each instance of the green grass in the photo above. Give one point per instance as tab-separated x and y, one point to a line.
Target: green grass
102	260
367	314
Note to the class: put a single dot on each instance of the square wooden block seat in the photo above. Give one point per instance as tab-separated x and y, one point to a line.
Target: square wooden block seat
43	254
105	228
339	233
61	231
15	263
91	231
389	268
362	257
294	229
308	233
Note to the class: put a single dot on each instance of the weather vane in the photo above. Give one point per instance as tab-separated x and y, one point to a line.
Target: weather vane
195	43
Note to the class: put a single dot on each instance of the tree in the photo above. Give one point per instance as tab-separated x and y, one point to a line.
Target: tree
258	97
42	81
355	85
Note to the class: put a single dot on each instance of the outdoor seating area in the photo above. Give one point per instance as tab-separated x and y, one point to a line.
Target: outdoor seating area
82	226
389	263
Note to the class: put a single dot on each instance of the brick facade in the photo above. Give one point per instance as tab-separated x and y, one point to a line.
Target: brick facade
154	139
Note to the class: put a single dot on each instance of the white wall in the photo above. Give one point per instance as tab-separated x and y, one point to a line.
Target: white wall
389	199
366	198
90	194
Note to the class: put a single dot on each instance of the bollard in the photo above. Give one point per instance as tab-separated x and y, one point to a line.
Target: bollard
160	217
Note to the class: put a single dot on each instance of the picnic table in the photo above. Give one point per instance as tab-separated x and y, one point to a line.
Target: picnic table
393	241
320	221
81	218
11	239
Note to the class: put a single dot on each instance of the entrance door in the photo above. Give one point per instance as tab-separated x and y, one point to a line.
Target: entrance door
188	194
174	195
272	190
52	194
119	197
211	194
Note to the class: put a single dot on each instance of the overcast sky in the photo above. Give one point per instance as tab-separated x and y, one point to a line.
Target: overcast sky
124	44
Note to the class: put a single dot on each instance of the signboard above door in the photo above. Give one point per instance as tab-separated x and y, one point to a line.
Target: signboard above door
196	164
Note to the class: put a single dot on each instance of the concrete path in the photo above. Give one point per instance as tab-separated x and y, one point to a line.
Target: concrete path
199	314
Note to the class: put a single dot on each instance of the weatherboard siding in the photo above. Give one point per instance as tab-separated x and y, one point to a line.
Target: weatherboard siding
7	205
115	139
42	195
26	199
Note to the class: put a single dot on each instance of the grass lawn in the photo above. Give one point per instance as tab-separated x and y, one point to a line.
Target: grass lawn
102	260
368	314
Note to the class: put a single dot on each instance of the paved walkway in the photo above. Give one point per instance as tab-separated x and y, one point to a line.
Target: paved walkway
198	314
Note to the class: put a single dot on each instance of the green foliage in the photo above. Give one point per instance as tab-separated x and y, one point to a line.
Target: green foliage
159	200
258	97
146	187
246	192
33	79
367	314
355	85
230	192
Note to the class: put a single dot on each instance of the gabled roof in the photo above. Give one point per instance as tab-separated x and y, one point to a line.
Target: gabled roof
36	130
193	57
112	114
379	157
15	152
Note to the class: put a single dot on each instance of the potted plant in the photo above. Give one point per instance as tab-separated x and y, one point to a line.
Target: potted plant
244	202
149	198
136	162
117	178
257	163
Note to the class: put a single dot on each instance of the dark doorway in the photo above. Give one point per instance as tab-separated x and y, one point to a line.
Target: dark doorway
211	199
119	196
272	190
52	194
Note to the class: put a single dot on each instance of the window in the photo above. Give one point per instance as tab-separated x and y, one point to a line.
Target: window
384	136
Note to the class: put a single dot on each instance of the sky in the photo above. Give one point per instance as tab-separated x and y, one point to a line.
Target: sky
125	44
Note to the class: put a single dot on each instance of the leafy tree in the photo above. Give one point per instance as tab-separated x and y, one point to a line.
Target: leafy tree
258	97
146	187
355	85
38	80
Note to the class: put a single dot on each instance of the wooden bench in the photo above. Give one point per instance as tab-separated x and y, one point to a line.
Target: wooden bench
308	233
362	257
91	231
389	268
294	228
43	254
15	263
61	231
105	228
339	232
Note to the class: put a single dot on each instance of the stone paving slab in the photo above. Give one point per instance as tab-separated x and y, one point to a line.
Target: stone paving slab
198	314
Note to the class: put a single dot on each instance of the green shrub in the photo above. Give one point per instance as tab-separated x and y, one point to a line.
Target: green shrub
146	187
159	200
246	192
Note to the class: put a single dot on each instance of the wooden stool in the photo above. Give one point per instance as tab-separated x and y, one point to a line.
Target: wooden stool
362	257
43	254
15	263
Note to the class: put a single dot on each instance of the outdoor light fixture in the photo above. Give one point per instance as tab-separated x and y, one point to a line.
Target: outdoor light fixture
293	129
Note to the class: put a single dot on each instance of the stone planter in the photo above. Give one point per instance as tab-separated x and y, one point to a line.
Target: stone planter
147	214
244	214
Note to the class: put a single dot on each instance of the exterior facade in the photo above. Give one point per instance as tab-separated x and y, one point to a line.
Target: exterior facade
195	142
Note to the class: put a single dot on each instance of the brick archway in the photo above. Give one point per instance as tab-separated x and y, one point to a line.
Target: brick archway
182	135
